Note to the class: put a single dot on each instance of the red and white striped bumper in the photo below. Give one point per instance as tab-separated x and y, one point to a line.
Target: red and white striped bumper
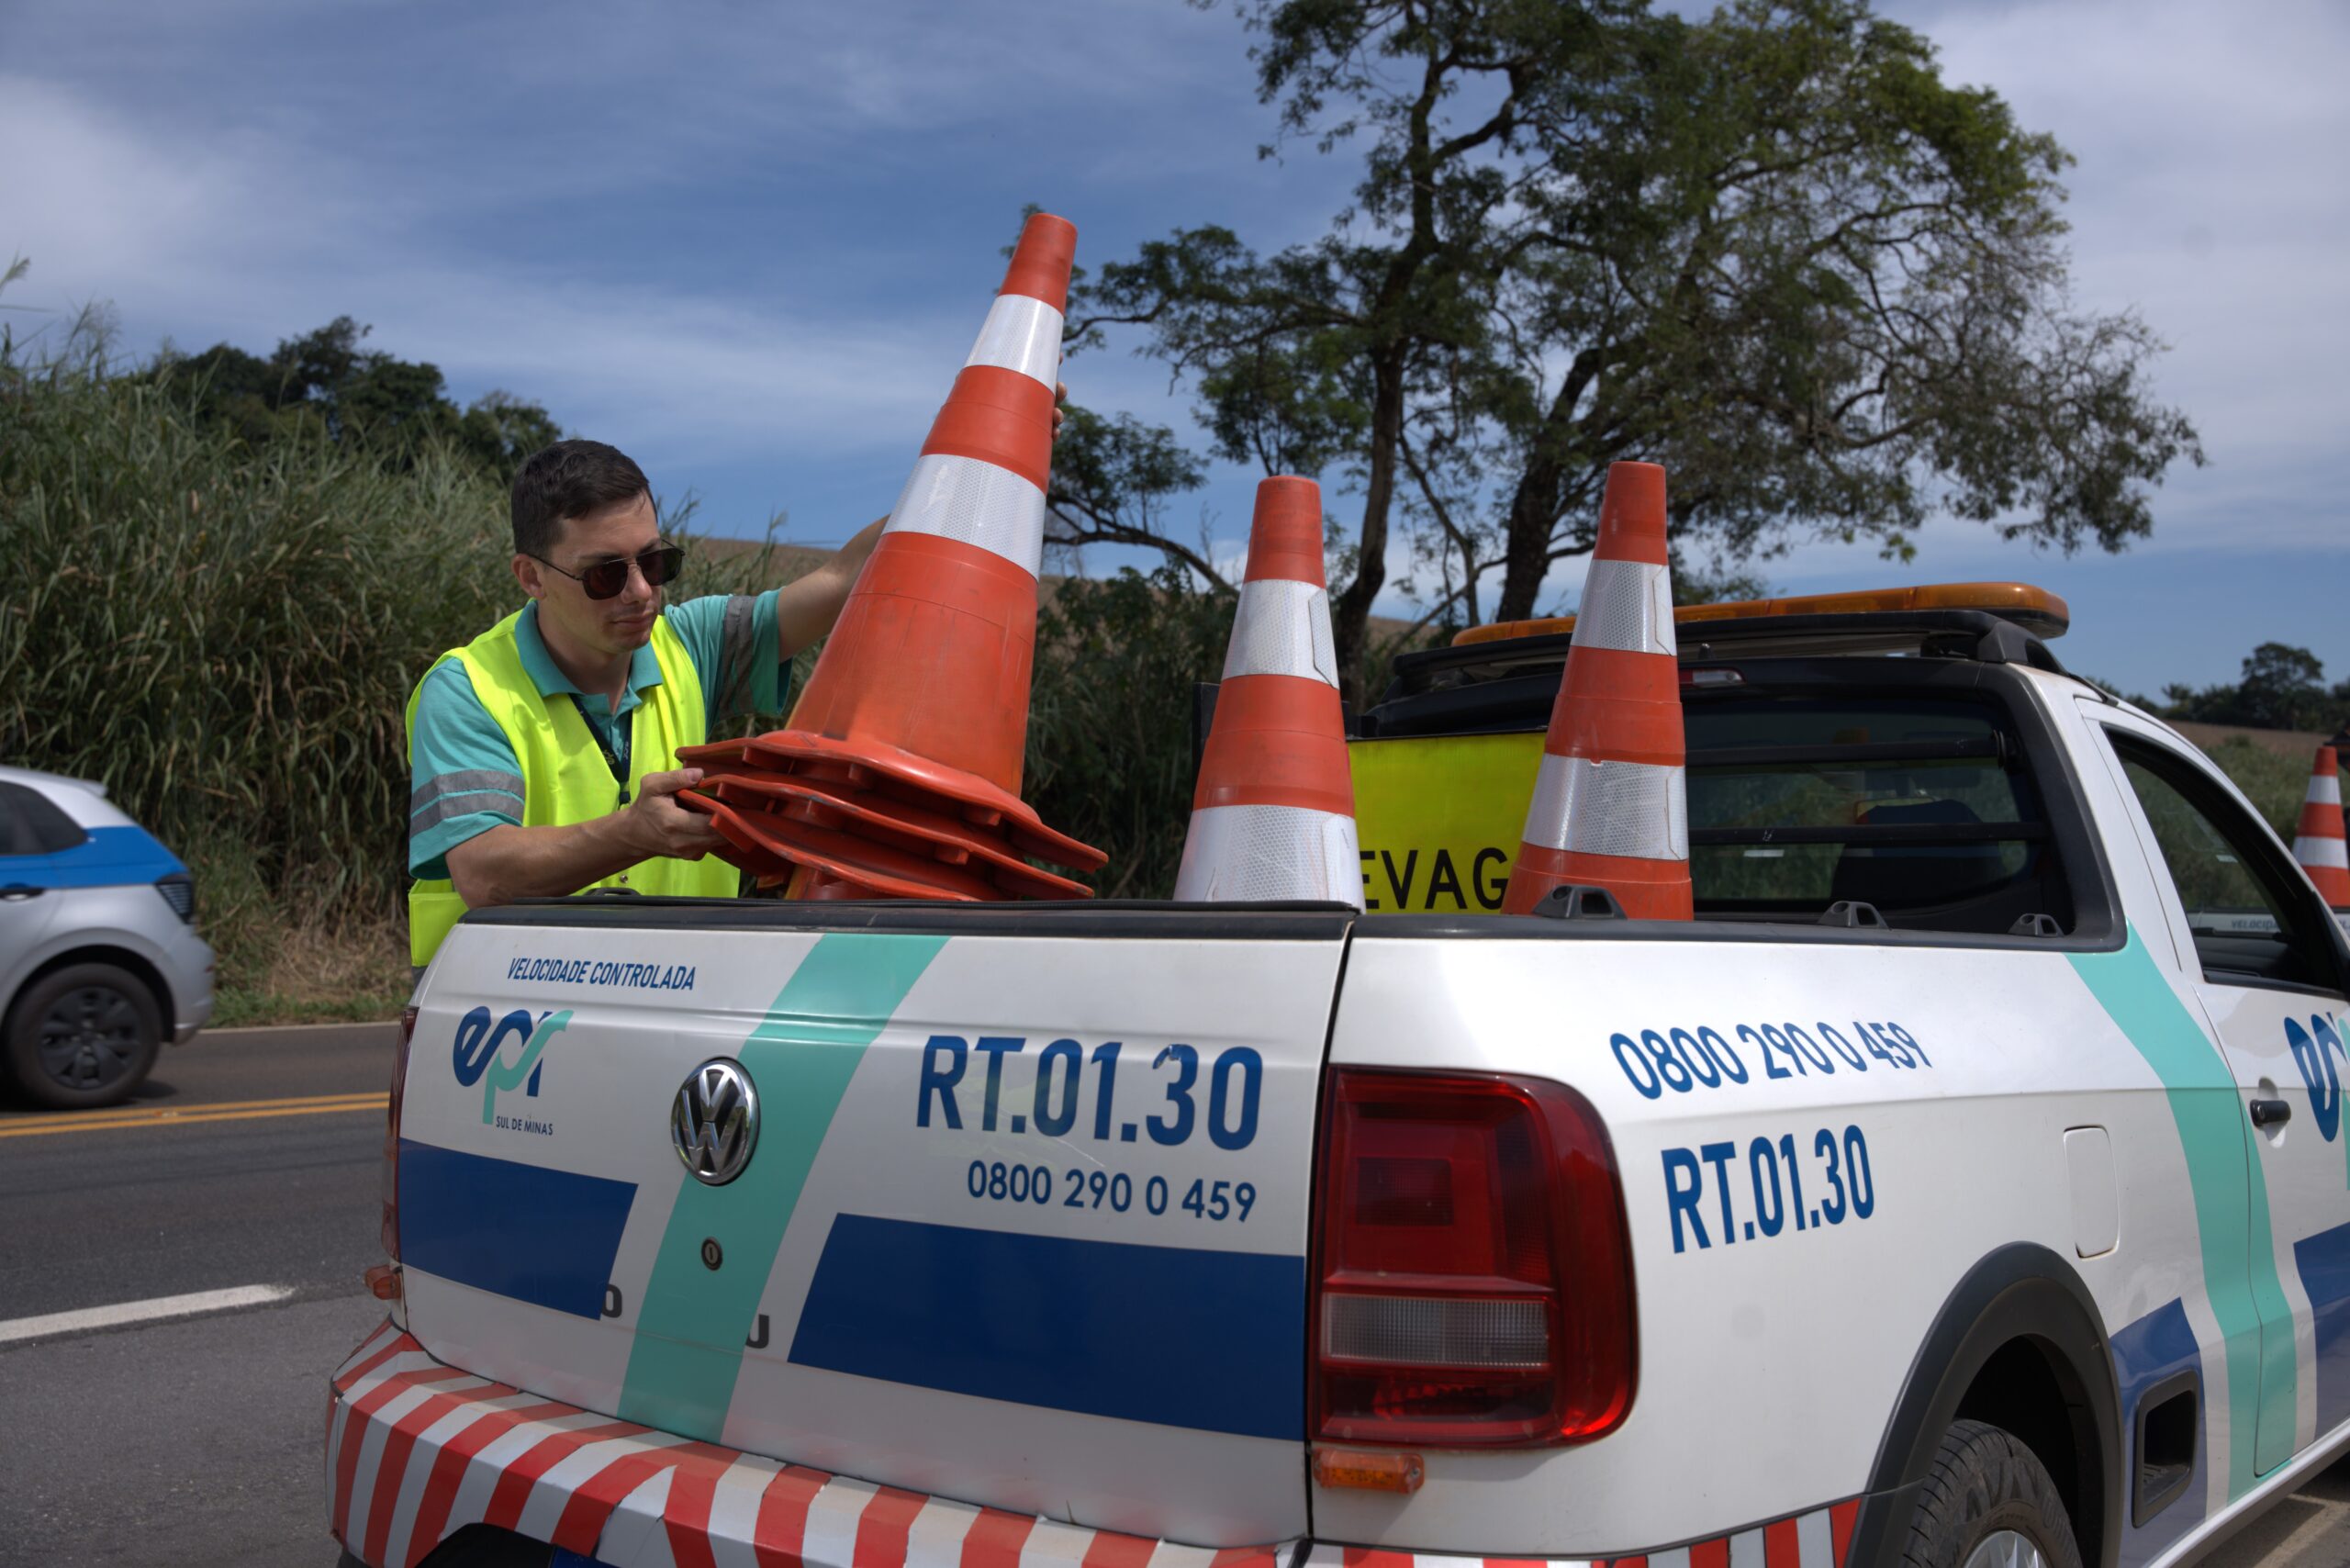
417	1451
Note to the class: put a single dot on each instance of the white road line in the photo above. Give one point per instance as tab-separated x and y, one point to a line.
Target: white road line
148	1311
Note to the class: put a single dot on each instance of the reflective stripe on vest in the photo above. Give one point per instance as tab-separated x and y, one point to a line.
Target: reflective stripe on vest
565	776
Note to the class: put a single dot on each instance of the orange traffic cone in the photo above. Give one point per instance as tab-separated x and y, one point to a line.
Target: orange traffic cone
898	773
1610	806
1274	815
2318	845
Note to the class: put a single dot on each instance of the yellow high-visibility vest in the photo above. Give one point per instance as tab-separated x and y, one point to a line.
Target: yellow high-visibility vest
565	776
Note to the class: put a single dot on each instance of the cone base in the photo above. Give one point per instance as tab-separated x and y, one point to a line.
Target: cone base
810	885
915	779
754	846
1649	890
896	823
860	819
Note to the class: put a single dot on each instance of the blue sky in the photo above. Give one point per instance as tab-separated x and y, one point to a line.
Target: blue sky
750	243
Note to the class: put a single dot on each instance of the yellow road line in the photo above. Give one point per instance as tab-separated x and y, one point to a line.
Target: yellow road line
196	1114
174	1108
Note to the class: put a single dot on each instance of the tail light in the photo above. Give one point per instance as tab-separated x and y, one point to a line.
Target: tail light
1474	1273
392	1137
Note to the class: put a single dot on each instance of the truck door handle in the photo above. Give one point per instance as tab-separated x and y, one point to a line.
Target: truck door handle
2271	1113
18	891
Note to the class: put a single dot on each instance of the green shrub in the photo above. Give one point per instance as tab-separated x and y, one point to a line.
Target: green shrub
227	637
1110	719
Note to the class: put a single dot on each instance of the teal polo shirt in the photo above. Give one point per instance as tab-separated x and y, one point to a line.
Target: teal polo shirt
463	777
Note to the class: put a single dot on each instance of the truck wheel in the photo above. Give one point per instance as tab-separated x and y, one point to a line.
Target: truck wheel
485	1546
86	1034
1989	1503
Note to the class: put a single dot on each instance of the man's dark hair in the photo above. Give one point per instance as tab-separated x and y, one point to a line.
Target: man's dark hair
571	478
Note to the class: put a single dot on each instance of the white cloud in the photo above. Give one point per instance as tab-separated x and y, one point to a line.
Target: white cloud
248	169
2209	193
249	239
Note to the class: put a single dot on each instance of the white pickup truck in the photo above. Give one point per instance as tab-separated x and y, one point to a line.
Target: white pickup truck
1966	1184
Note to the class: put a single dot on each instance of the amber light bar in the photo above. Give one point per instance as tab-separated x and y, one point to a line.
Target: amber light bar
2035	610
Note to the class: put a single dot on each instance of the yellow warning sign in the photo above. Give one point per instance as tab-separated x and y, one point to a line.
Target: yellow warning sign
1439	818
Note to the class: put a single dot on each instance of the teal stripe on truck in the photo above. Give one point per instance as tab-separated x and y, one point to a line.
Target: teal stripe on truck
2231	1196
690	1331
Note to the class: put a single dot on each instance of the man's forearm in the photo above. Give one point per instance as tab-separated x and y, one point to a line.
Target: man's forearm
805	610
510	862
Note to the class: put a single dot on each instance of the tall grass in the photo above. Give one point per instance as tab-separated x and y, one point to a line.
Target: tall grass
2274	784
227	637
1109	757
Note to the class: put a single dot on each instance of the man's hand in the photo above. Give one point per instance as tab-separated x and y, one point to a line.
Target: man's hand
511	862
656	824
1060	396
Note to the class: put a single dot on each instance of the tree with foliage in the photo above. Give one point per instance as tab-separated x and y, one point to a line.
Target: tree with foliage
1770	249
357	396
2283	688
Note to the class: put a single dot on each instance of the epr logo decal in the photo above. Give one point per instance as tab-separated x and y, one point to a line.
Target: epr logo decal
2314	1050
475	1052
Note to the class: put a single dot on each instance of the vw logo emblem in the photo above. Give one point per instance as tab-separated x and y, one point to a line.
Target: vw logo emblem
715	1122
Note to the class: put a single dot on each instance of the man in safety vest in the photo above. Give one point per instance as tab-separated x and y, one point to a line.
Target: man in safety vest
543	753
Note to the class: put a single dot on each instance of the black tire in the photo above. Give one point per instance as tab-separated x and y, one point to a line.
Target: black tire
86	1034
485	1546
1989	1493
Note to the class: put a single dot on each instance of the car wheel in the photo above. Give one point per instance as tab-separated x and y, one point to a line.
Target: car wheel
1989	1503
86	1034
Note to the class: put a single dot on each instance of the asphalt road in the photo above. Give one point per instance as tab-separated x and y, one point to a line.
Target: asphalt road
251	1158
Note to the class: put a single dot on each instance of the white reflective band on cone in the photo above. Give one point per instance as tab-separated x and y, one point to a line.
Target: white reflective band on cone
2325	788
1282	627
2322	852
1233	854
1022	334
1634	809
976	502
1627	605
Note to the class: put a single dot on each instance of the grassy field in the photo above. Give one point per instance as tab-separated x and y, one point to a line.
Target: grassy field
2274	784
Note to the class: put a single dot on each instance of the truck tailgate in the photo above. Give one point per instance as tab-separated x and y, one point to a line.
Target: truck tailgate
1023	1224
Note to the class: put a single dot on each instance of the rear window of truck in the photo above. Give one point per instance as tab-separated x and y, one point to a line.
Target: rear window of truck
1929	789
1920	807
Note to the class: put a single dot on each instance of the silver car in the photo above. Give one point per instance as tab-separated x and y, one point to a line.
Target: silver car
99	958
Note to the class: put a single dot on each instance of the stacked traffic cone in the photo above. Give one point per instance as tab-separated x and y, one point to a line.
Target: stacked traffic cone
1274	815
897	774
1610	806
2318	845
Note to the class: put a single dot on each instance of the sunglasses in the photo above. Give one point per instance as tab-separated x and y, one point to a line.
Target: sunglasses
605	579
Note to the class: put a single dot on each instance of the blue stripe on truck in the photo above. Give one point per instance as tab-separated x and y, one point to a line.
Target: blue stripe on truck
536	1234
2156	1347
2324	1262
1168	1334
